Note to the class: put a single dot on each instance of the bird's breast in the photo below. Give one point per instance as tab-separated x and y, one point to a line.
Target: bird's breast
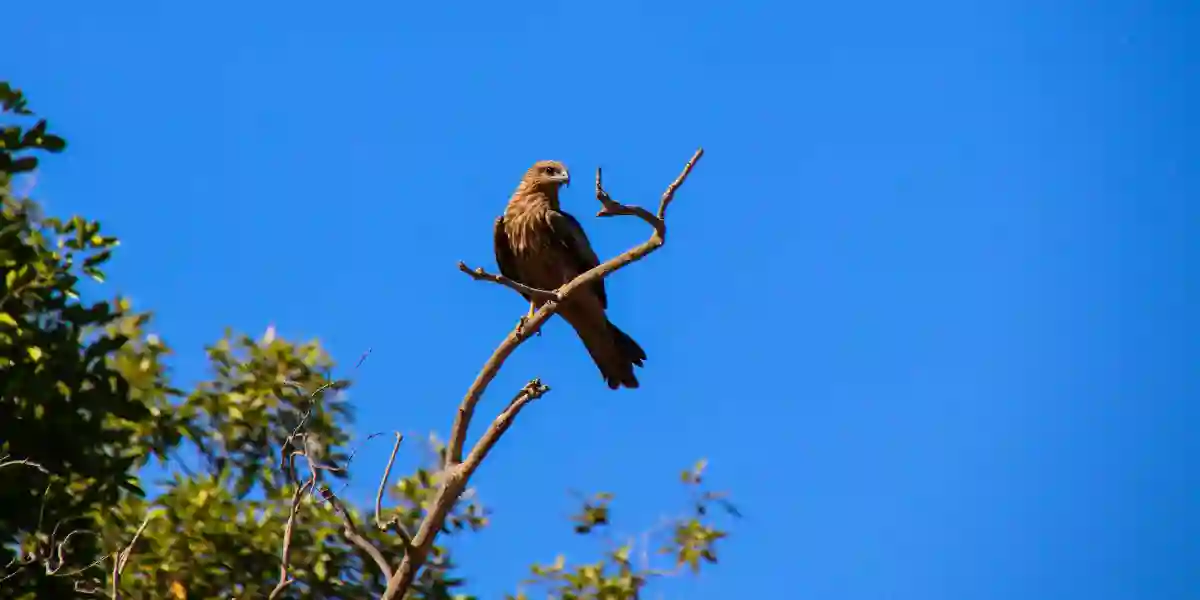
531	240
527	232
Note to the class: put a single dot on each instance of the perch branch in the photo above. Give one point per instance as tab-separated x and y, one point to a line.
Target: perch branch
478	274
458	472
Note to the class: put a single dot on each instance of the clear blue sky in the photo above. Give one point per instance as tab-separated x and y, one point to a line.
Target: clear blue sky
928	305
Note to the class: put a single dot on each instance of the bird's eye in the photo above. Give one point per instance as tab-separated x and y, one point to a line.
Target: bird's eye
549	170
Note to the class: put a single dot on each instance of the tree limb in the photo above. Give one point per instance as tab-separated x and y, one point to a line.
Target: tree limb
478	274
458	472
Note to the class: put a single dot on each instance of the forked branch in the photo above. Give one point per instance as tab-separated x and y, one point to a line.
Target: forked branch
350	530
457	470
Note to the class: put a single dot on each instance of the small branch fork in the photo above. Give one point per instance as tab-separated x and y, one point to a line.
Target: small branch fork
349	528
458	470
51	553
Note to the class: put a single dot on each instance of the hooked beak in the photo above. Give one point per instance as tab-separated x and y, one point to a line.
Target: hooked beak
563	179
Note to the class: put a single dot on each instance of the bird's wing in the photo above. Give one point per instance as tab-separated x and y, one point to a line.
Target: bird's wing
569	236
505	259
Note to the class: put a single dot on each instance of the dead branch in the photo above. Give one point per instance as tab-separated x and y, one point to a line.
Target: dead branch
4	462
458	471
478	274
285	559
121	558
350	530
532	391
51	553
394	522
287	462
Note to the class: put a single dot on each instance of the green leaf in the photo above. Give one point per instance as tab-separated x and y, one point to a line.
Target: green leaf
131	485
33	136
23	164
53	143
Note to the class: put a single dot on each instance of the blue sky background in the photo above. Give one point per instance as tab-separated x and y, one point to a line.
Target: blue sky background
927	307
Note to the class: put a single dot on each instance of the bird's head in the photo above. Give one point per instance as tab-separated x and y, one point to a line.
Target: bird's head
548	174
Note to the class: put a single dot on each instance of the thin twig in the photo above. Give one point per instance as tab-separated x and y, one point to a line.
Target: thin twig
121	558
613	208
26	462
62	546
287	462
286	556
387	474
478	274
392	523
458	472
350	530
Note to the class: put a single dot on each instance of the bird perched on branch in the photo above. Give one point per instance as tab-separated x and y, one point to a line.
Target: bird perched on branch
541	246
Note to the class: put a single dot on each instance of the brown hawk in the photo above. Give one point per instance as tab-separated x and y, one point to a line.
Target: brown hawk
541	246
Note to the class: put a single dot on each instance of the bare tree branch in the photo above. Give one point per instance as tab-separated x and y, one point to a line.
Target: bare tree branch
478	274
532	391
350	530
121	558
285	559
394	522
287	461
458	472
4	462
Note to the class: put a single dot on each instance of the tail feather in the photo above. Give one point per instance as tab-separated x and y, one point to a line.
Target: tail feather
613	351
629	348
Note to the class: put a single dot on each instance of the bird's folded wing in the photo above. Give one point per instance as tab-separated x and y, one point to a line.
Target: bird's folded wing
505	258
569	236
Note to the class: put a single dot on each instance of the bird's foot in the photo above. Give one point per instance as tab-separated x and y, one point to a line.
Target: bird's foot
533	308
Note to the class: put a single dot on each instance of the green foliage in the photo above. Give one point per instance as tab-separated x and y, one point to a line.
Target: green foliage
75	397
260	393
14	139
211	543
627	567
86	403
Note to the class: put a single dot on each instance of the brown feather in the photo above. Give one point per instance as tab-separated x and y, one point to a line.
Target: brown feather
542	246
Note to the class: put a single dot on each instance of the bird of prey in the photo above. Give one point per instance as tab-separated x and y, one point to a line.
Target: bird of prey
541	246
